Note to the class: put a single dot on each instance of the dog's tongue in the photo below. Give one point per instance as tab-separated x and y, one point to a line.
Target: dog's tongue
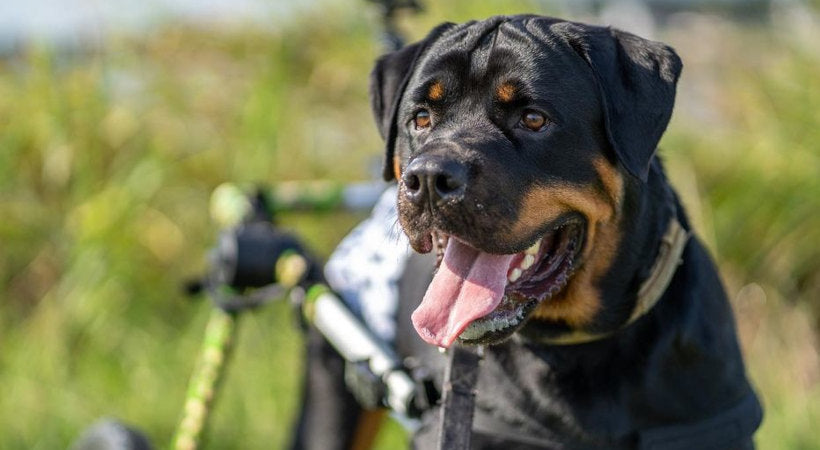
469	284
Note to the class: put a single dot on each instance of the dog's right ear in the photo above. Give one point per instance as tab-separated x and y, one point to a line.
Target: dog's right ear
387	83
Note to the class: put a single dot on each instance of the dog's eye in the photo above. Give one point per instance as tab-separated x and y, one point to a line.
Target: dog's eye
422	119
533	120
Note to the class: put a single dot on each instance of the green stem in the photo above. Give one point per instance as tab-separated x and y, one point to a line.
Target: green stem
216	348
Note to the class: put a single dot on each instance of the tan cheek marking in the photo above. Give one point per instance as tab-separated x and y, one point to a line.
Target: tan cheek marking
436	91
612	182
505	92
578	303
545	204
397	166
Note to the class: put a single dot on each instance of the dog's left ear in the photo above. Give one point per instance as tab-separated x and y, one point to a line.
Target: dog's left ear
637	79
387	83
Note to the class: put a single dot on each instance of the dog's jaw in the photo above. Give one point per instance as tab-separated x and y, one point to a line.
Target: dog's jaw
477	297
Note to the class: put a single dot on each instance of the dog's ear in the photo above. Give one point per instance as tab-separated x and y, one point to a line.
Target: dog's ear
637	79
387	83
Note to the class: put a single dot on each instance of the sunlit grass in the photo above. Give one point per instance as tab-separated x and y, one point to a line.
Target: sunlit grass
750	172
107	160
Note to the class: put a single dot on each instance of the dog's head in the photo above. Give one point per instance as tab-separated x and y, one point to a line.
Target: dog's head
511	140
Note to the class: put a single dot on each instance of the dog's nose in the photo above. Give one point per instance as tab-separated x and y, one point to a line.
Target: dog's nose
433	179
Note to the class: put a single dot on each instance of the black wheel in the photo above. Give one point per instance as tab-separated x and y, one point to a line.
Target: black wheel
109	434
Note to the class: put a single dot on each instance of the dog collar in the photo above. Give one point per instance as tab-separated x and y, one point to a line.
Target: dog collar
651	290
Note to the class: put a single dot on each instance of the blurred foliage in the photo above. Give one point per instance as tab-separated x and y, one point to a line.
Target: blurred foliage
107	159
757	165
747	163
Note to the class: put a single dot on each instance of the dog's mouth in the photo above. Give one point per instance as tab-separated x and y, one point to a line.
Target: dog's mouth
482	298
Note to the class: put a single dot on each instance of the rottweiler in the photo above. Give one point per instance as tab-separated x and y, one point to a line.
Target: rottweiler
524	152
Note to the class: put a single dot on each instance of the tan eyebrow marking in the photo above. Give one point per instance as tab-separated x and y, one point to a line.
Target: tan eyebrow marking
436	91
505	92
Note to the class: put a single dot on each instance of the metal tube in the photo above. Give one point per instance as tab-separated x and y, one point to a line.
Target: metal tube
355	343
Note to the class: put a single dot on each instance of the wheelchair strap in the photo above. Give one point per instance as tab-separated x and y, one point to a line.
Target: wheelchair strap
458	398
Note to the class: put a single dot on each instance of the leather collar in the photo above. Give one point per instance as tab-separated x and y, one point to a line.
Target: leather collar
651	290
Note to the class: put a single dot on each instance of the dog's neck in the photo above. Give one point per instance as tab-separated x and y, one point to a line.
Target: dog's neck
647	266
651	290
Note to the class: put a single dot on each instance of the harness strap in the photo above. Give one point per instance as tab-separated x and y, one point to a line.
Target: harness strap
651	290
458	398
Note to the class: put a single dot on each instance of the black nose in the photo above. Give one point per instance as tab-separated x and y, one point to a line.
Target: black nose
433	179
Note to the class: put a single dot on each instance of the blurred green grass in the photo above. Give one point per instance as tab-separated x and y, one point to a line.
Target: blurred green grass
107	159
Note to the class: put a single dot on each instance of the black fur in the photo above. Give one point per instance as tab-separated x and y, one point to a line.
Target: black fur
387	84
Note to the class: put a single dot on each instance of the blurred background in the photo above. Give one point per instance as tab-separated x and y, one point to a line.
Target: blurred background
118	118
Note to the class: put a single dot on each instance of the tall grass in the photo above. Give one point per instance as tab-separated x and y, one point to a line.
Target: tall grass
107	159
747	161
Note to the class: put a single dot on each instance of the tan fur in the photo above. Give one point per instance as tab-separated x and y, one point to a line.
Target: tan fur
367	429
505	92
397	166
436	91
578	303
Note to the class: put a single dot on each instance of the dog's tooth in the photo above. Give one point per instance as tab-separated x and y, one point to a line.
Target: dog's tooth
527	262
514	275
534	249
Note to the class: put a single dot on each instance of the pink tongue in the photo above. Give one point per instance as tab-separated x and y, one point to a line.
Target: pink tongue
469	284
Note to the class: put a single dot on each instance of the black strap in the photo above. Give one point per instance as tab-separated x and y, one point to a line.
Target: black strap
458	398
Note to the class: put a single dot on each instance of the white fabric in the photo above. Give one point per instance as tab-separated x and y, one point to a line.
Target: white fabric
366	266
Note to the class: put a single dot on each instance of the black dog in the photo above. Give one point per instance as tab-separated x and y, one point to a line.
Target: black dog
523	148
